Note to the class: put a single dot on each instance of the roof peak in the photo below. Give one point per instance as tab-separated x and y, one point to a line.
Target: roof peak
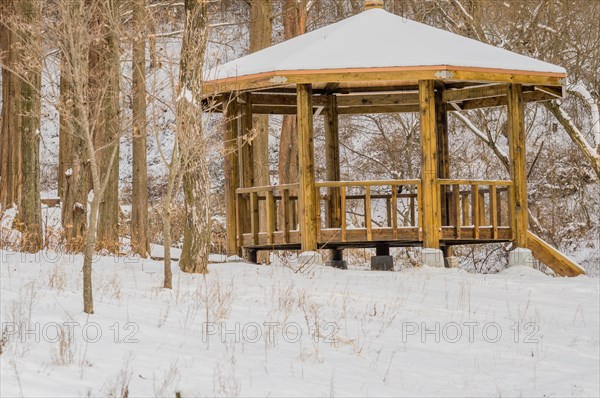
370	4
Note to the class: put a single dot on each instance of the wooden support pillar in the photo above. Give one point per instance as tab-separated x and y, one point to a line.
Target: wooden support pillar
332	160
231	175
308	193
443	154
246	171
516	141
430	197
443	162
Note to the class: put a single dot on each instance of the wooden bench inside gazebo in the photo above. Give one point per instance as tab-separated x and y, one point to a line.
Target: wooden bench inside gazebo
377	62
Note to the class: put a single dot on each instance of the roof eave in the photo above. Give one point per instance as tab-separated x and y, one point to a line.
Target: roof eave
400	75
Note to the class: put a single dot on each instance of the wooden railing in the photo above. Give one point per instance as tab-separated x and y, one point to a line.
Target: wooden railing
359	210
476	204
280	212
371	211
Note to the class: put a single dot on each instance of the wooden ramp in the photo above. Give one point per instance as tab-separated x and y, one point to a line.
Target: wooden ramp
554	259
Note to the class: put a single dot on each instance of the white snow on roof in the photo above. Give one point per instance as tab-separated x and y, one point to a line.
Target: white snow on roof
377	38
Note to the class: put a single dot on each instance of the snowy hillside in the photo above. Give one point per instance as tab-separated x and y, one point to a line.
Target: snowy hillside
247	330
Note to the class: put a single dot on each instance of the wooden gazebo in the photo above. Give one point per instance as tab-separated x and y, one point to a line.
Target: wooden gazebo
377	62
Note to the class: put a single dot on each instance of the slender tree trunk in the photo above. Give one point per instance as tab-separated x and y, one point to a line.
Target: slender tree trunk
196	184
173	168
261	29
64	136
90	245
168	274
139	213
10	167
30	214
104	106
294	24
73	123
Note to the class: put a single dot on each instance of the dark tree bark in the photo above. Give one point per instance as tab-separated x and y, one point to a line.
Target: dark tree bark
261	29
294	24
196	183
103	90
30	66
139	198
10	138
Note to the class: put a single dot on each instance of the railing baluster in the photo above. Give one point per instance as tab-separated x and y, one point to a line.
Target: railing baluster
494	211
343	210
270	217
388	210
254	224
238	217
420	216
451	207
464	198
456	209
475	210
511	211
482	219
287	214
499	203
318	214
413	208
368	213
394	206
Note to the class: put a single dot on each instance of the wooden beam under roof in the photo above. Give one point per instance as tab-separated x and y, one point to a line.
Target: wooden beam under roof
466	98
528	96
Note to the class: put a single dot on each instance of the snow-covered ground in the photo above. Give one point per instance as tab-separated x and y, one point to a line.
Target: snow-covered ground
252	330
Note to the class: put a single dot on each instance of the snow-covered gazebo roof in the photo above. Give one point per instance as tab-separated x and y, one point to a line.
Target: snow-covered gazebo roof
376	45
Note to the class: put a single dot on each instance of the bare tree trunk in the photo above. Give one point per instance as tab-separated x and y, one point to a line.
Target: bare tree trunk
104	107
168	274
139	209
294	24
74	167
261	29
30	215
196	184
64	137
10	167
74	33
88	255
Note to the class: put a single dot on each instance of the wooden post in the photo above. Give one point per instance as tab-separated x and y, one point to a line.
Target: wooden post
308	198
245	150
246	171
443	154
443	164
430	193
332	160
231	175
516	140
